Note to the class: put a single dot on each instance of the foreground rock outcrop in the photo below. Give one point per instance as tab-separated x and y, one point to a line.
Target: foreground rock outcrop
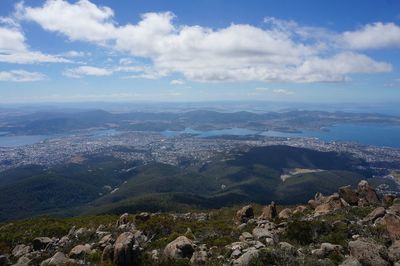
350	227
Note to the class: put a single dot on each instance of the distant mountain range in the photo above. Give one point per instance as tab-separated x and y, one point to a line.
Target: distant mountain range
48	123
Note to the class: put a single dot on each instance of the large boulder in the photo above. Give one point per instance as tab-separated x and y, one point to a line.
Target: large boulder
59	259
126	251
246	257
349	195
269	212
40	243
181	247
80	251
394	251
350	261
392	224
327	249
244	214
123	219
329	204
264	235
367	192
375	214
20	250
368	253
285	214
199	257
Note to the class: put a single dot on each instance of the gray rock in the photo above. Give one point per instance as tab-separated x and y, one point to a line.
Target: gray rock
350	261
23	261
80	251
244	214
199	257
245	236
262	234
126	250
41	243
20	250
59	259
285	213
181	247
246	257
394	251
368	253
375	214
107	255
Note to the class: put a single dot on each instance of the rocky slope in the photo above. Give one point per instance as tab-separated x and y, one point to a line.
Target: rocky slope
351	227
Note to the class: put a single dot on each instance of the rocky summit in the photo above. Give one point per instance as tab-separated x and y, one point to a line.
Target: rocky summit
354	226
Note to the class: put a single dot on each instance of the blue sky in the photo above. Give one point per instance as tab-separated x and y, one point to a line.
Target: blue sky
295	51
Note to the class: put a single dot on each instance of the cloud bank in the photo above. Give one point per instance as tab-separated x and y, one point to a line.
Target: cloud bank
278	51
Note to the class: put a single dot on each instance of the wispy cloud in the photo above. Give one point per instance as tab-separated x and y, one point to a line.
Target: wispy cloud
21	76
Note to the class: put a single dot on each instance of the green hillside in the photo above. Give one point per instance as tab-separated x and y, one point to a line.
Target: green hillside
103	184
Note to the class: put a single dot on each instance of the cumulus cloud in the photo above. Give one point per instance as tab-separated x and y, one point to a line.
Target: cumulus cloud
373	36
21	76
13	47
86	71
282	51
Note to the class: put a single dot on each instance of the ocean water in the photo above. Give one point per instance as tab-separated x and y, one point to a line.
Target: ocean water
370	134
15	141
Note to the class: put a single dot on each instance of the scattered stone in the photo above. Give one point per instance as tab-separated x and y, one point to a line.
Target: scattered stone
59	259
367	192
123	219
244	214
326	250
329	204
299	209
143	217
394	251
375	214
246	236
349	195
126	252
23	261
246	257
287	248
350	261
20	250
388	199
392	223
285	213
269	212
262	234
80	251
182	247
107	255
368	253
199	257
41	243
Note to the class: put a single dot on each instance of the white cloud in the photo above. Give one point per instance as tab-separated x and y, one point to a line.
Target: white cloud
283	51
87	71
79	21
373	36
13	47
261	89
21	76
177	82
